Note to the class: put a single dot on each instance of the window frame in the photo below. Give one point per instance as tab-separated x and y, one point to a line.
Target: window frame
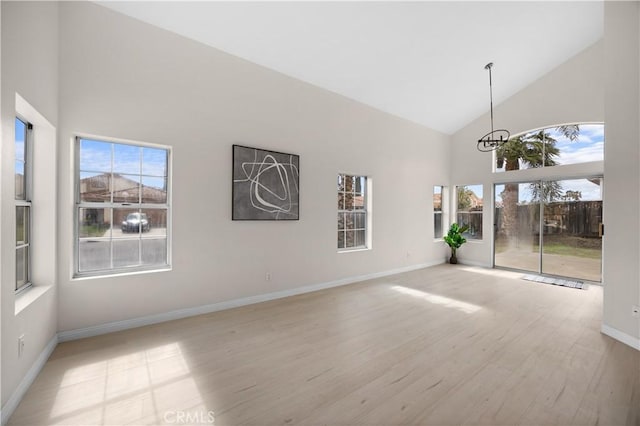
554	128
25	202
438	213
468	234
112	206
365	210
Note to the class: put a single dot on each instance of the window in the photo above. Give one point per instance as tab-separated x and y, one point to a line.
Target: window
23	203
437	212
352	212
469	210
122	207
561	145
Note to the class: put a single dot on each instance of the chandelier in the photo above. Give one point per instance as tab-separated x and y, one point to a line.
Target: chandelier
495	138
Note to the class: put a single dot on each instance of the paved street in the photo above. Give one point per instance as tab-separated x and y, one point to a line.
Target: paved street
127	250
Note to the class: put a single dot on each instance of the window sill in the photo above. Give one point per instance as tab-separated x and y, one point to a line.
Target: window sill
354	250
29	296
83	277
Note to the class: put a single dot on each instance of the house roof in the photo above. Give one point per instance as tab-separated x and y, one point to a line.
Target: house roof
98	188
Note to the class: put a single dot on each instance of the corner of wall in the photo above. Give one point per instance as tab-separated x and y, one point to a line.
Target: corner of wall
29	67
622	176
27	380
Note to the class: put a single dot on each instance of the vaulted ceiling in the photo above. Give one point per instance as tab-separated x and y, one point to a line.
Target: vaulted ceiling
423	61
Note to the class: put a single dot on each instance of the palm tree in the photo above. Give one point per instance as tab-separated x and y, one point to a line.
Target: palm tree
464	197
570	131
536	149
546	191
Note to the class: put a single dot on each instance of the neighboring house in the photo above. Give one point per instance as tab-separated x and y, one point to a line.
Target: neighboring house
358	201
19	181
99	188
437	201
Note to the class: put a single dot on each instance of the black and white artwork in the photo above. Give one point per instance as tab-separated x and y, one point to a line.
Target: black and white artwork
265	184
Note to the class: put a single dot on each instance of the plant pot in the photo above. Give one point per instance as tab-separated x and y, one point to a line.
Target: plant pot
453	259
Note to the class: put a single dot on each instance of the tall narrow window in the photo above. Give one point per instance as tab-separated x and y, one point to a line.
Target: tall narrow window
23	203
122	207
352	212
437	212
469	210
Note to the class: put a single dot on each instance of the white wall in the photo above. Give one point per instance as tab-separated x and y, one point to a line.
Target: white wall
571	93
30	69
622	174
124	79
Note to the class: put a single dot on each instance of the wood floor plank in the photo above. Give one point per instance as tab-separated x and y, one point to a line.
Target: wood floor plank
439	346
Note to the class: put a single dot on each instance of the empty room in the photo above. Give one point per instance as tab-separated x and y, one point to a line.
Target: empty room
320	213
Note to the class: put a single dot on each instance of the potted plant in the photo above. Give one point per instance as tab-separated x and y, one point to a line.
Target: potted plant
455	239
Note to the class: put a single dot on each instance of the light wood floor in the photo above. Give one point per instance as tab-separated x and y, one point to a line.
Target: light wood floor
440	346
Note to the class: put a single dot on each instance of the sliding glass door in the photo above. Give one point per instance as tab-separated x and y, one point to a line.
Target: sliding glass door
550	227
572	241
517	224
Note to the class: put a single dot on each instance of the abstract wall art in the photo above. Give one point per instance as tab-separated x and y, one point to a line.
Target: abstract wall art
265	184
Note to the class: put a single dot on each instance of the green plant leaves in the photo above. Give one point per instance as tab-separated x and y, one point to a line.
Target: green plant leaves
454	238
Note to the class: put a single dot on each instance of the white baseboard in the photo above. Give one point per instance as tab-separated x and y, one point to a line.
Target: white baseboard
96	330
27	380
634	342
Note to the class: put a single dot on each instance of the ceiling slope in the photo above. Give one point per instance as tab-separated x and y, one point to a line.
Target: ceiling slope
423	61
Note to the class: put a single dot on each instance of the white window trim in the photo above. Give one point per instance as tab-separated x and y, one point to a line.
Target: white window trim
26	202
455	210
367	211
442	212
78	204
547	170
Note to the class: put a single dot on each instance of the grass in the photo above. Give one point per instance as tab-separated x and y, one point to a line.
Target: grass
93	230
20	234
558	249
565	250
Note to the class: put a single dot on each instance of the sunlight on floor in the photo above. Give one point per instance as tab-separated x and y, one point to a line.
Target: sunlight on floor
467	308
143	386
491	271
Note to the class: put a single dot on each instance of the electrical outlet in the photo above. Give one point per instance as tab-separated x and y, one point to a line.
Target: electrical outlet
20	345
267	276
635	311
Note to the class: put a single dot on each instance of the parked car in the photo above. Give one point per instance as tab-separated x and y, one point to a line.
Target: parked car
135	222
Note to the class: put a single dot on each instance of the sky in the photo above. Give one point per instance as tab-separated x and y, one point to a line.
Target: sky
476	189
588	147
589	190
137	163
20	130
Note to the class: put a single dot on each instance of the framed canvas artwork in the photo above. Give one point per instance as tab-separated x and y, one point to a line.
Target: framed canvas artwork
265	184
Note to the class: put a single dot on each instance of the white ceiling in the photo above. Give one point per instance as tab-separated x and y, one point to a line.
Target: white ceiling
423	61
